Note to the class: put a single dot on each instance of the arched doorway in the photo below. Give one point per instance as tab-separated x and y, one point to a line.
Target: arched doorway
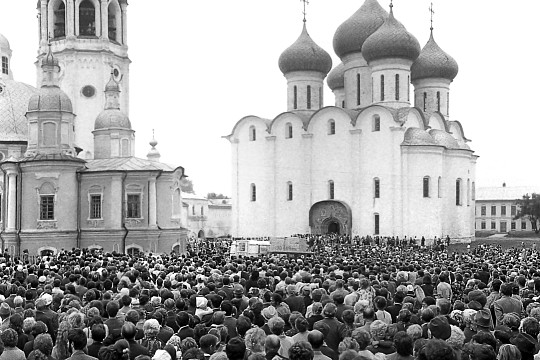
330	217
200	235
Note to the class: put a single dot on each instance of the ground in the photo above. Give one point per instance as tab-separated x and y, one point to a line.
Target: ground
506	242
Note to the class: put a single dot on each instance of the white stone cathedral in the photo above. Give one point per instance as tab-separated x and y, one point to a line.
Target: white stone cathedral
373	164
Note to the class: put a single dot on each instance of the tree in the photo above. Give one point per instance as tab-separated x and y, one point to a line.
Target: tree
529	208
213	195
187	186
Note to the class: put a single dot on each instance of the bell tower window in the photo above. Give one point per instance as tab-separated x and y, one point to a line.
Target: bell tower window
113	22
59	20
87	19
295	97
382	87
438	101
425	101
309	97
397	87
5	65
358	89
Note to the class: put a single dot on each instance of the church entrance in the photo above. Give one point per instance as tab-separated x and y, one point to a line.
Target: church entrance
330	217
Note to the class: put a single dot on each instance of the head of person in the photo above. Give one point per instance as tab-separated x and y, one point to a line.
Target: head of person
440	328
77	339
276	325
129	331
235	349
316	339
301	351
43	344
509	352
151	328
9	338
255	339
378	330
208	343
403	343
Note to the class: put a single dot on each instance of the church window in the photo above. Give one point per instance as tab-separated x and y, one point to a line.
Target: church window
133	206
308	97
483	210
48	134
426	186
88	91
438	101
5	65
95	206
376	221
397	86
331	190
253	189
202	210
295	97
473	191
113	21
425	101
331	127
343	104
252	133
376	188
193	210
376	123
458	192
408	88
289	191
59	20
439	187
46	207
87	18
288	131
358	89
382	87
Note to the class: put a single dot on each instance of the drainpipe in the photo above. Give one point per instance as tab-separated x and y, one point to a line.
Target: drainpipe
157	222
79	178
126	231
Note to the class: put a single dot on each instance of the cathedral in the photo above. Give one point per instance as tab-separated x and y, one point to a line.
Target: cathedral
378	162
69	175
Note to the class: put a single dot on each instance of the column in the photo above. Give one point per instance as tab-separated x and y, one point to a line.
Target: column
124	23
152	203
104	20
12	202
70	19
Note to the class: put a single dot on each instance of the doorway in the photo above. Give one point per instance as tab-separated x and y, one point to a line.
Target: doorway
333	228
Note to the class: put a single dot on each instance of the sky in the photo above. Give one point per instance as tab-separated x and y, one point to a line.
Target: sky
200	66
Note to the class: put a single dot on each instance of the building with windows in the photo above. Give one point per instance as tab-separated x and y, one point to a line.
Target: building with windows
375	163
69	175
206	218
496	209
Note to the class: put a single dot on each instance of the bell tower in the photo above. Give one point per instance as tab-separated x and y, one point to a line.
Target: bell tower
89	40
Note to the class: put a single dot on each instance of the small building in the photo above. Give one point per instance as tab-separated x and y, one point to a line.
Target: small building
496	208
207	218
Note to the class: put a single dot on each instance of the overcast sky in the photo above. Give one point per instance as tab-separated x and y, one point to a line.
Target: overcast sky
200	66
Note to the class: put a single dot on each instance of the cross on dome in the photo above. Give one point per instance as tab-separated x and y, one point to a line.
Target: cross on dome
306	2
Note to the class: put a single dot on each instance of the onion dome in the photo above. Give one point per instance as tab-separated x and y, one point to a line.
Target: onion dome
433	62
416	136
445	139
336	77
14	97
153	154
305	55
351	34
112	118
391	40
50	98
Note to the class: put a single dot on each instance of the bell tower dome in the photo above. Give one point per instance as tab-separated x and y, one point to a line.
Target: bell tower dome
89	39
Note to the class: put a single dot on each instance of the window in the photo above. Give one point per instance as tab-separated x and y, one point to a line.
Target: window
376	220
289	191
48	134
320	98
473	191
288	131
114	22
439	187
376	123
59	21
252	133
331	189
133	206
483	210
382	87
523	225
376	188
202	210
343	104
468	192
95	206
308	97
483	225
5	65
458	192
46	207
295	97
331	127
493	225
409	88
438	101
397	86
193	210
425	101
87	19
513	210
126	148
426	186
253	189
513	225
503	210
493	210
358	89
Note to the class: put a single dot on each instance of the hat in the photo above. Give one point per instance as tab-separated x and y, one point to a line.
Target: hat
238	290
40	302
483	318
42	279
47	298
329	310
269	312
5	310
440	328
524	342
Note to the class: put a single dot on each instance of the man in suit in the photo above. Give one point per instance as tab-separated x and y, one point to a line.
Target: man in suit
128	332
183	321
45	314
506	304
338	330
98	334
77	341
296	303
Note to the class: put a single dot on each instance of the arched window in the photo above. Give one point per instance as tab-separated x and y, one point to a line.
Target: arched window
288	131
253	192
376	188
59	20
295	97
425	101
5	65
331	127
397	86
426	186
474	191
202	210
376	123
114	22
439	187
87	18
343	104
308	96
48	134
252	133
358	89
331	189
289	191
458	192
193	210
438	101
376	229
382	87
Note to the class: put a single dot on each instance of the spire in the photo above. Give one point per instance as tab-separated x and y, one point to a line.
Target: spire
431	12
153	154
306	2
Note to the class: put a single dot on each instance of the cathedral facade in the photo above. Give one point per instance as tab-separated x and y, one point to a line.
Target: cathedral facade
69	175
385	160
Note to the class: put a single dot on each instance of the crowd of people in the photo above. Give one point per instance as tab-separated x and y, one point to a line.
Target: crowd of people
376	300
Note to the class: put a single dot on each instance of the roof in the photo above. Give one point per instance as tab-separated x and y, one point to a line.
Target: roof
125	164
504	192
